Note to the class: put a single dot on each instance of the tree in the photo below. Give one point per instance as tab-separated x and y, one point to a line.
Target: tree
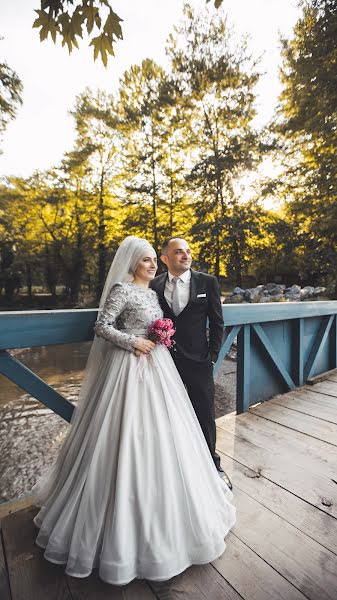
97	151
214	79
10	95
307	126
20	235
275	250
144	102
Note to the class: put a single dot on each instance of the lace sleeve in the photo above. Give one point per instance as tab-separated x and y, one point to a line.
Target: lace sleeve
105	326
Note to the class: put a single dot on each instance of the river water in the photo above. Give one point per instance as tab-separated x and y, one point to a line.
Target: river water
30	433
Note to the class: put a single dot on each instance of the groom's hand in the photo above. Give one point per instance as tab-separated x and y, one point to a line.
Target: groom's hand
143	345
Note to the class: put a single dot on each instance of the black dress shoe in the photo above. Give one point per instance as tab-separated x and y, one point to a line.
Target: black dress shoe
225	477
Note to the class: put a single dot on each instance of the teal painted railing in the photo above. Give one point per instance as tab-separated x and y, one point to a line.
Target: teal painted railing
28	329
280	346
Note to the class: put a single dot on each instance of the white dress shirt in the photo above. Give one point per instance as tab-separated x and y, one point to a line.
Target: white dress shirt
184	288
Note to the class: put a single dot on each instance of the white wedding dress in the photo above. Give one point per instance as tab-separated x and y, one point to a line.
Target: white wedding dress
134	491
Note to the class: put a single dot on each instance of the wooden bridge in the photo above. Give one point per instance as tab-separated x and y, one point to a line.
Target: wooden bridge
281	455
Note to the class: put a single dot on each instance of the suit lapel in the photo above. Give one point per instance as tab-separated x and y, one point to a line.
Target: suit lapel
162	299
193	291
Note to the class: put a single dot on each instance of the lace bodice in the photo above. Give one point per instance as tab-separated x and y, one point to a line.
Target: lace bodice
127	307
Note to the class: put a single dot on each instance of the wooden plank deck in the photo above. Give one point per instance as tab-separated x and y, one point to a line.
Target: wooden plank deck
282	459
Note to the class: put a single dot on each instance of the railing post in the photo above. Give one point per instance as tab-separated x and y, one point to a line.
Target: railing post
333	344
243	370
319	341
230	334
299	351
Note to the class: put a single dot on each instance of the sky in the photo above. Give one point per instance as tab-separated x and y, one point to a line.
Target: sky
44	130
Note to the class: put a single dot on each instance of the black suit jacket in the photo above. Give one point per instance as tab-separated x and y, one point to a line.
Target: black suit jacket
204	302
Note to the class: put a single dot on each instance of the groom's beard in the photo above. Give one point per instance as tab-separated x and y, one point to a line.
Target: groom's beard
183	268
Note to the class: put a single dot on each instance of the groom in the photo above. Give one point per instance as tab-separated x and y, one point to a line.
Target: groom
188	297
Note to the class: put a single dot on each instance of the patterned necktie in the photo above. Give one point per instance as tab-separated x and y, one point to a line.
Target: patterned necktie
175	296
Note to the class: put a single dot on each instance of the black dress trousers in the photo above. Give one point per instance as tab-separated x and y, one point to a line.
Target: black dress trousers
199	383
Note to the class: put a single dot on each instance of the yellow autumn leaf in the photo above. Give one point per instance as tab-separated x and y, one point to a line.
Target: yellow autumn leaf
46	24
104	57
90	14
112	25
76	23
42	19
95	42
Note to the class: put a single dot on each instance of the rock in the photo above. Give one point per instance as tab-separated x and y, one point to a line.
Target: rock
276	291
271	286
277	298
273	292
252	295
319	290
307	292
235	299
304	295
292	297
294	289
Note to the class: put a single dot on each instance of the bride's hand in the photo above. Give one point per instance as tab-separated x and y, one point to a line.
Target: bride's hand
143	345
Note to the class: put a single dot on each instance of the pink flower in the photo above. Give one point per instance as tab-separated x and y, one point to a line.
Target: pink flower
161	331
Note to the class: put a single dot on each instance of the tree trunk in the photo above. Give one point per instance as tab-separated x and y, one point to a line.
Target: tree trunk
171	206
29	281
237	264
238	277
49	272
77	263
154	200
217	256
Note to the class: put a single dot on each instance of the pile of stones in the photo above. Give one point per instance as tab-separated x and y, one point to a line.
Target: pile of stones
274	292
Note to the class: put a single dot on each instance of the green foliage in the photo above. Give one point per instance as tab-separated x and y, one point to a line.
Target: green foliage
275	249
10	95
146	104
69	18
307	126
97	163
215	79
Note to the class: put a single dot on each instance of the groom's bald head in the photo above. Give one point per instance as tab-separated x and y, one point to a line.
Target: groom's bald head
168	241
176	255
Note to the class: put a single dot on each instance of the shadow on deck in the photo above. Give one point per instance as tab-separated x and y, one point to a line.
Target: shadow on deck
282	459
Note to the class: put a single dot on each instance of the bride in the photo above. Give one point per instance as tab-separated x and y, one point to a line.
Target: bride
134	491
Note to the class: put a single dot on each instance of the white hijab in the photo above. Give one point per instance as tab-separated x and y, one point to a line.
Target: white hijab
123	266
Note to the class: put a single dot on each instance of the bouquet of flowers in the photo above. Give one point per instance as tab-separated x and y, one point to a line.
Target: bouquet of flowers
161	331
